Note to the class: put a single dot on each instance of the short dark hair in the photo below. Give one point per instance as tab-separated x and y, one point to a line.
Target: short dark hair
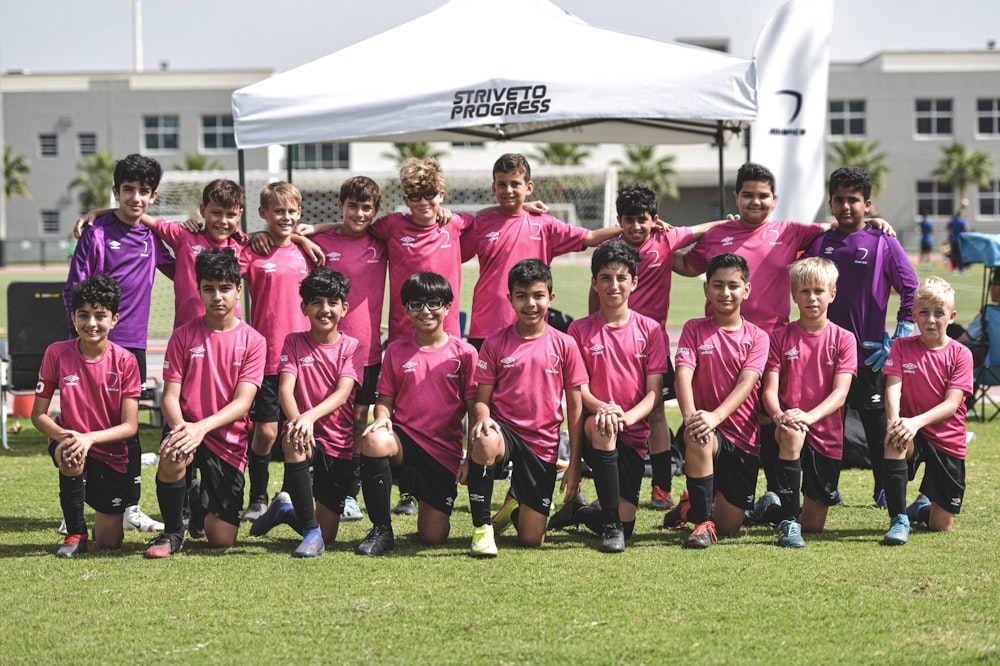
757	173
527	272
851	178
636	200
217	264
361	188
614	252
225	193
97	289
137	167
326	283
727	260
511	163
426	285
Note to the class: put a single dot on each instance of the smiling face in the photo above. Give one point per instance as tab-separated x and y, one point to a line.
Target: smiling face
755	201
511	189
531	304
849	206
427	206
134	199
726	290
281	216
932	319
324	315
220	220
636	228
93	322
427	315
358	216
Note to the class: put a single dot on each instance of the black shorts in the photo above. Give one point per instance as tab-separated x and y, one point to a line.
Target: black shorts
333	480
867	390
820	477
944	475
532	479
926	247
433	483
265	408
735	471
221	484
631	468
668	381
476	342
105	490
140	359
366	392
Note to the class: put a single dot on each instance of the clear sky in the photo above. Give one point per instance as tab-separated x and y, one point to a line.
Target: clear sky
96	35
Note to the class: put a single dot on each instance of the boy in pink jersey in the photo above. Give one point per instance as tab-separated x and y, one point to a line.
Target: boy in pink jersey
273	281
98	384
523	373
212	369
625	354
425	391
720	360
809	371
927	379
318	374
501	238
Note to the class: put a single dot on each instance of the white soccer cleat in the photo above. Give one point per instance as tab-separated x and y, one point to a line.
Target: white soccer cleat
135	519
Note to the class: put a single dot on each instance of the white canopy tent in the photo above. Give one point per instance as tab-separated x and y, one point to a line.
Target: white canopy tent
516	69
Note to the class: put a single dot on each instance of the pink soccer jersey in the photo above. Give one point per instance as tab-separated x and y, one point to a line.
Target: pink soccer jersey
528	379
501	241
187	246
362	260
208	365
927	374
717	357
317	369
413	248
275	307
91	393
619	360
430	388
768	249
652	293
807	364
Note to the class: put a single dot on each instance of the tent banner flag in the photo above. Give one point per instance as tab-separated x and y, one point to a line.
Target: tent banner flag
788	137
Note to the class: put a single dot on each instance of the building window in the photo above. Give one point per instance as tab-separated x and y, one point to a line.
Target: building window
48	145
989	199
50	222
320	156
935	197
934	117
847	117
988	116
161	132
87	142
217	132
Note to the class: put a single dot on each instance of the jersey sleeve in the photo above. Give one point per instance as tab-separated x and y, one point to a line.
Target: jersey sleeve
891	367
564	237
774	351
686	352
48	375
469	385
847	354
87	260
574	370
252	368
387	376
173	365
757	353
131	381
961	378
902	277
288	362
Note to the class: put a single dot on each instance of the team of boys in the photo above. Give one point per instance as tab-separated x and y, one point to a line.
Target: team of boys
740	366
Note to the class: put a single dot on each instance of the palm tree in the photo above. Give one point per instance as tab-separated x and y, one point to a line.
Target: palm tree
15	168
865	155
198	162
642	167
420	150
95	180
560	154
960	167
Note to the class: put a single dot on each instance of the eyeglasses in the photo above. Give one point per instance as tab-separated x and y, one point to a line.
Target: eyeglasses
417	196
433	305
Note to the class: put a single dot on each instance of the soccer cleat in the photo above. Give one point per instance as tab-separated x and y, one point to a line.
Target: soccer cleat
276	514
613	538
378	542
312	544
758	515
838	497
703	536
164	545
135	519
879	499
563	518
899	531
913	511
791	534
660	500
502	518
676	518
483	543
256	509
352	511
73	545
407	505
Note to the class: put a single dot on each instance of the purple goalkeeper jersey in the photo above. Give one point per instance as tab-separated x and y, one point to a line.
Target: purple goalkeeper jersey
871	264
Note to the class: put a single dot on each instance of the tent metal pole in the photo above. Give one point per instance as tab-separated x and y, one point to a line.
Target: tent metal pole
241	165
288	163
722	175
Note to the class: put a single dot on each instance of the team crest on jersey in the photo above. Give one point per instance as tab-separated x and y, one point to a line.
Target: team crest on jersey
197	352
407	241
508	362
596	349
71	380
270	267
493	236
307	361
333	256
792	354
409	366
706	349
114	245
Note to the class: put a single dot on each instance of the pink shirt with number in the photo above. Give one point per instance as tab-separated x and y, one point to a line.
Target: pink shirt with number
529	377
317	369
807	364
768	249
362	260
500	241
618	360
430	388
275	306
652	294
208	365
91	393
928	374
717	357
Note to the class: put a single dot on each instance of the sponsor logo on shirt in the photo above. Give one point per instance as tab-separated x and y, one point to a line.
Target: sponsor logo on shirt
447	238
270	267
777	237
508	362
374	258
706	349
862	256
536	231
307	361
554	368
197	352
597	349
653	259
111	381
71	380
833	354
407	241
114	245
458	366
409	366
683	351
641	344
908	368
